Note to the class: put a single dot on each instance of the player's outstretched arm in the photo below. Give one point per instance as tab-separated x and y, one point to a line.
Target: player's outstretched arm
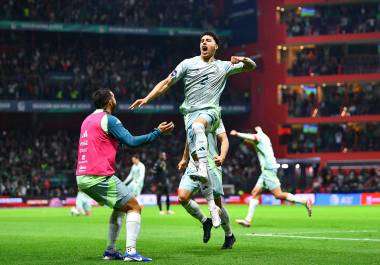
245	136
185	158
224	146
117	130
158	90
249	64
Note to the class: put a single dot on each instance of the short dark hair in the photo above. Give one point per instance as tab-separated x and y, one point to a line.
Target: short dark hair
213	35
101	97
136	156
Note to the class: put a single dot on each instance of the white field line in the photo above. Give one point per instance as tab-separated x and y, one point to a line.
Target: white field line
316	237
323	232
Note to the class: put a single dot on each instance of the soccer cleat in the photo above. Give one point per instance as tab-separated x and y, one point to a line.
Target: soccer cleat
170	212
207	225
215	216
229	241
243	222
162	212
135	257
112	255
309	207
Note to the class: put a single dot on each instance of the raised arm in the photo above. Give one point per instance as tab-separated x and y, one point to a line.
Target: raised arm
117	130
162	86
245	136
157	91
248	64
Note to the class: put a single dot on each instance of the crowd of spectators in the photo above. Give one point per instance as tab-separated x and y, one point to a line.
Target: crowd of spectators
34	164
336	59
333	138
130	13
70	69
43	165
346	181
332	19
333	100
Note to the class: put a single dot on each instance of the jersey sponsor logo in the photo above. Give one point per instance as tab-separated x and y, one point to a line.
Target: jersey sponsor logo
84	143
83	150
84	135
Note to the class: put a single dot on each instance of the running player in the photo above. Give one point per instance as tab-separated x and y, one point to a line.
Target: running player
204	79
100	135
82	205
268	178
188	187
135	179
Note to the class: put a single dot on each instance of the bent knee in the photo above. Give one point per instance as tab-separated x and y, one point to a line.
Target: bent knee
279	196
182	199
198	127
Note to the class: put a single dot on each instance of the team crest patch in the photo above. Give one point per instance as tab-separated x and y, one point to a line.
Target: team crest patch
174	73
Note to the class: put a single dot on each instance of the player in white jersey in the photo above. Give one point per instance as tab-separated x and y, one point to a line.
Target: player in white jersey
188	187
82	205
204	79
268	178
135	179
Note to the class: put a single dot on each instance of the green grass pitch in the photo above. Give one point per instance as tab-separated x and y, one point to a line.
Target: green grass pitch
284	235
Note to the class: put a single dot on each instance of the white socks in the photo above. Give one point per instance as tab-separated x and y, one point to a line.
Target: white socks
115	223
207	192
251	209
195	211
226	222
290	197
201	145
133	229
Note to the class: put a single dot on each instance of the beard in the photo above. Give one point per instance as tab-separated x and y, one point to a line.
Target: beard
113	107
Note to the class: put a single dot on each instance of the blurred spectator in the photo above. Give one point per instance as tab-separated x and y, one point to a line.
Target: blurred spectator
332	100
346	180
309	138
332	19
336	59
42	165
73	67
130	13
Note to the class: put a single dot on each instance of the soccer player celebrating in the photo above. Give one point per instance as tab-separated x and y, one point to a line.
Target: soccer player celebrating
101	132
188	186
82	205
135	179
204	79
268	178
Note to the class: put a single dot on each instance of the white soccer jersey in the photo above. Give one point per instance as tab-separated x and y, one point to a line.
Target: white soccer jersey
265	151
137	175
204	82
